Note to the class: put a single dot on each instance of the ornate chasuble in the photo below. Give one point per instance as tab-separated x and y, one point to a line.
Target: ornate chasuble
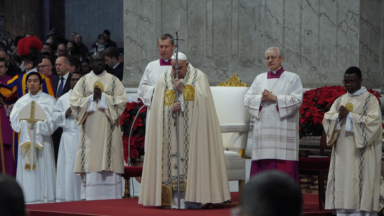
100	145
203	174
169	172
354	174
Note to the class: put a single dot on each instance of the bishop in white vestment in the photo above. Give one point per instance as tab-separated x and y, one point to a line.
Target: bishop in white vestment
154	70
68	184
354	130
203	175
274	99
37	179
97	101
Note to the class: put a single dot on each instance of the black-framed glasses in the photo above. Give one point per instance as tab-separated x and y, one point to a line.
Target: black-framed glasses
349	81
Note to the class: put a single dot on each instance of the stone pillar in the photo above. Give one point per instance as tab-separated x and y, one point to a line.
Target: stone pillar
23	17
320	39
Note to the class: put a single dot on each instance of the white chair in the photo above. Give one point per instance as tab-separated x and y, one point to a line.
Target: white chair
234	124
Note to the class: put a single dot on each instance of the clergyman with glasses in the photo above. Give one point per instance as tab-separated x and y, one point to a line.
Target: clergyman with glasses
354	130
274	99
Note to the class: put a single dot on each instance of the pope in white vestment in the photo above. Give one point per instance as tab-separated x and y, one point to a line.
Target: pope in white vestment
353	186
99	157
68	184
37	180
203	175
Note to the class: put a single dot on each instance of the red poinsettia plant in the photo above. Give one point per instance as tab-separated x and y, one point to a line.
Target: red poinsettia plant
316	102
138	129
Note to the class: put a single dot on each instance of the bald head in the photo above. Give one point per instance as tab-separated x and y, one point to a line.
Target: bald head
62	65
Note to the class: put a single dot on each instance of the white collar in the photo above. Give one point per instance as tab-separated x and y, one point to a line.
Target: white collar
66	76
358	92
274	72
114	67
36	96
102	74
33	70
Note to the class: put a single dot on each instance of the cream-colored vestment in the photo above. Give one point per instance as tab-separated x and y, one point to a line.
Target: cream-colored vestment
203	173
354	174
100	147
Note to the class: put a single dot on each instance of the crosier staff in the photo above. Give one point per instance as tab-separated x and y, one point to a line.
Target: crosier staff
176	116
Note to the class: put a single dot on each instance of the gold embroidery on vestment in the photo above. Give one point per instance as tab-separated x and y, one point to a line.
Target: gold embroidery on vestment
169	97
166	195
349	107
100	85
189	93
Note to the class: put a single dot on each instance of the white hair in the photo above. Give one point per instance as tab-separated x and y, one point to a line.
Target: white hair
279	52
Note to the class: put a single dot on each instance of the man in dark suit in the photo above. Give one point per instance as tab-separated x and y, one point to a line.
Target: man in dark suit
107	37
80	46
61	84
111	57
12	69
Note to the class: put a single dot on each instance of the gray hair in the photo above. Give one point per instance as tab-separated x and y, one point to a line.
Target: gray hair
279	52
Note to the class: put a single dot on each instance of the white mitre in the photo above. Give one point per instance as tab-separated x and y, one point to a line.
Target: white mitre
181	56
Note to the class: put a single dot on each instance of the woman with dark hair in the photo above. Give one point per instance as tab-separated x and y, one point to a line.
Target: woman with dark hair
99	45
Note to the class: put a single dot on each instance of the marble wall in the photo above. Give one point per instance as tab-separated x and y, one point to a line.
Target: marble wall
89	18
320	39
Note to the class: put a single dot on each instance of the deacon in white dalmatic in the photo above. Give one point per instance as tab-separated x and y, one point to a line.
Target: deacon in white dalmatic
35	164
154	69
68	184
354	130
97	101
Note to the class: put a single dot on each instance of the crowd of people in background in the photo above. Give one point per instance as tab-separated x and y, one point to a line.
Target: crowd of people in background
55	45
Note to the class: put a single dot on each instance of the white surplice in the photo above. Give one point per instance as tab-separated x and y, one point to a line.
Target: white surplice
276	132
148	82
38	184
67	182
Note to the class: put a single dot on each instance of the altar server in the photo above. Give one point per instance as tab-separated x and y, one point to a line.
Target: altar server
35	172
154	70
68	184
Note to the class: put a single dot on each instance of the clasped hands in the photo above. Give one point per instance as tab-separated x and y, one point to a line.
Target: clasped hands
96	93
268	96
343	112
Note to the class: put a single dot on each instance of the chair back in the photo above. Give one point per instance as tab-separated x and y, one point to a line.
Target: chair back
230	109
